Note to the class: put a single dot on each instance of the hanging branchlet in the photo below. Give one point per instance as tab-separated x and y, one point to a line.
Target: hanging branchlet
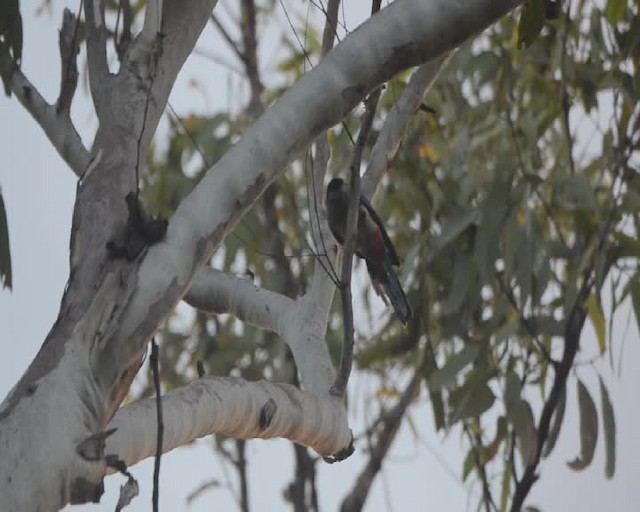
346	356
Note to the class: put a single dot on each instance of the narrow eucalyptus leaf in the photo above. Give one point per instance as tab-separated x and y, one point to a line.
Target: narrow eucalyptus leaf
588	429
556	423
454	365
609	422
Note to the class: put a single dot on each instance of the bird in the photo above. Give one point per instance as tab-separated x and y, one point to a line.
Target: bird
373	245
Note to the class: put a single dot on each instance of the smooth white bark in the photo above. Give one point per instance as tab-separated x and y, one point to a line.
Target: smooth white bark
216	292
57	126
232	406
80	374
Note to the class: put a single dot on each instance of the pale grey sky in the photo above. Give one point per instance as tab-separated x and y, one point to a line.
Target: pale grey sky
39	192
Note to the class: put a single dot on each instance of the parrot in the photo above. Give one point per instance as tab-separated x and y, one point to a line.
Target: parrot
373	245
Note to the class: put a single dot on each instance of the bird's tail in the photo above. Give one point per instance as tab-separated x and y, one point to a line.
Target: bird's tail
393	290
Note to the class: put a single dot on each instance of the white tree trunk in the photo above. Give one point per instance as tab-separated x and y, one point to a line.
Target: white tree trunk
50	424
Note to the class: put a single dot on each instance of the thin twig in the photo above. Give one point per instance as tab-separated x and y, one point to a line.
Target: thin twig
227	37
346	356
476	440
241	467
508	293
319	162
153	361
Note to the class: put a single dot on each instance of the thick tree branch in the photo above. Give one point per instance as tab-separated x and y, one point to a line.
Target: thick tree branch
393	40
122	43
56	126
232	406
250	56
96	34
68	43
216	292
152	26
112	308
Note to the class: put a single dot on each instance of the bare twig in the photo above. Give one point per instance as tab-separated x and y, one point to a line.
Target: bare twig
346	356
153	360
320	161
241	467
524	321
250	53
476	440
573	330
227	37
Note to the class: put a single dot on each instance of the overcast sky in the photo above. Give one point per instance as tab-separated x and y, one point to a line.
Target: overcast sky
39	191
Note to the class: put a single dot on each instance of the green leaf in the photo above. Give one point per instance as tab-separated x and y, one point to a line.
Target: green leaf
615	11
588	429
10	40
453	228
5	253
609	421
460	284
472	399
491	450
520	415
531	22
454	365
506	488
494	210
627	245
512	391
523	424
469	463
437	405
634	288
597	319
556	423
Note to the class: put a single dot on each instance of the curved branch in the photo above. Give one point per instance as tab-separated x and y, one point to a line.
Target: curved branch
216	292
234	406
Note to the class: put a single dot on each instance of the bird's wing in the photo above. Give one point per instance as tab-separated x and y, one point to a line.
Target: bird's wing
393	256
